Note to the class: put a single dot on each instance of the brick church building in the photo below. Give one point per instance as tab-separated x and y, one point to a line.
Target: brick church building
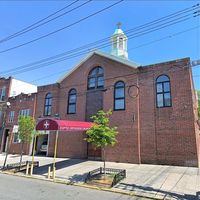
154	108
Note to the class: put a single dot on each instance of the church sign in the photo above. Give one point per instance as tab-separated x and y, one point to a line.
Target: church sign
62	125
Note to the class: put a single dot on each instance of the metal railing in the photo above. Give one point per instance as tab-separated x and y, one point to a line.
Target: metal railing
118	177
92	174
119	174
17	167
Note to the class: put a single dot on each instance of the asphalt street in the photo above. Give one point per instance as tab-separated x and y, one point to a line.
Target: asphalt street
19	188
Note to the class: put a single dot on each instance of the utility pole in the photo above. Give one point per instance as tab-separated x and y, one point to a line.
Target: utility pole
3	107
195	62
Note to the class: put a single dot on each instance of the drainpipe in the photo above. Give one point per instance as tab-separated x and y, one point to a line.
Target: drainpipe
138	123
138	115
31	150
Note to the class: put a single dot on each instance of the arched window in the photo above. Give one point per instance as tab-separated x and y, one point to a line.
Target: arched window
96	78
121	41
71	109
48	104
119	96
163	91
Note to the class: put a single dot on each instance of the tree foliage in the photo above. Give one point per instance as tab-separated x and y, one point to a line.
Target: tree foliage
26	128
100	134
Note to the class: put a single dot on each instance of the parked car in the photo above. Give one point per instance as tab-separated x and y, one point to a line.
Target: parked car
43	147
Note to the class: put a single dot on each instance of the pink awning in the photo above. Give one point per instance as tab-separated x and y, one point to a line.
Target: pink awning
62	125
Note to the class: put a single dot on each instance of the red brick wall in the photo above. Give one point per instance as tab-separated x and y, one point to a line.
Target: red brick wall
165	135
18	103
70	144
42	92
16	148
168	135
4	82
126	148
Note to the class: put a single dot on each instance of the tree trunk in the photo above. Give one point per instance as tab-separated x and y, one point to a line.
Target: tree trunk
21	155
7	150
104	162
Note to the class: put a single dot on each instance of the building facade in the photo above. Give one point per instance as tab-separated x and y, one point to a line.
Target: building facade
21	105
10	90
154	108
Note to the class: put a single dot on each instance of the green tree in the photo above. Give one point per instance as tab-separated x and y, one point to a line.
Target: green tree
101	134
26	130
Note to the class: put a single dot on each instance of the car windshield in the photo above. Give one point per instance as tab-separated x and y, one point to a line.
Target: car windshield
44	143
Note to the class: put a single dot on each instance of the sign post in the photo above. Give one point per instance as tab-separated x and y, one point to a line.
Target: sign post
33	153
10	137
54	160
61	125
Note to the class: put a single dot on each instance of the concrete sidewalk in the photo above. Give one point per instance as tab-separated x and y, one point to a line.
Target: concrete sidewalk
147	180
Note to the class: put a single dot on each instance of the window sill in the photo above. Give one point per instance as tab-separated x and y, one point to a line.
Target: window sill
119	109
164	107
96	89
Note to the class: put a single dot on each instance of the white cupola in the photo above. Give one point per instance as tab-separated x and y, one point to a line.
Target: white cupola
119	43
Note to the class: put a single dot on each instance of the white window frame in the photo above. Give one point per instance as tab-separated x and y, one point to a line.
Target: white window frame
2	93
18	139
11	116
24	112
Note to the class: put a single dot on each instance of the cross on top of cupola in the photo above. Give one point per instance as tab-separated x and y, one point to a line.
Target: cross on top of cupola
119	25
119	43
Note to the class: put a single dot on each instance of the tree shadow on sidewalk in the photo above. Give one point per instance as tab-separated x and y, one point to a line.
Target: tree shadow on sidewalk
59	165
77	178
153	191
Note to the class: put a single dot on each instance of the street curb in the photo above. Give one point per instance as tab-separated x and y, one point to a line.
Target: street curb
119	192
60	181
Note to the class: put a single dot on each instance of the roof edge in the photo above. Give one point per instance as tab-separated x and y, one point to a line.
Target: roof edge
109	56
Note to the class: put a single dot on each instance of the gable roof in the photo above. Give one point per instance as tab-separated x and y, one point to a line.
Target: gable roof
103	54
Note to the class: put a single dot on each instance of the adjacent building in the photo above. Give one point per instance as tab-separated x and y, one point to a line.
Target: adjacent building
154	108
11	90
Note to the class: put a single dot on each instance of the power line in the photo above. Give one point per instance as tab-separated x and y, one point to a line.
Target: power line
32	27
62	59
26	29
111	86
102	40
63	28
193	7
84	52
142	45
171	68
174	14
177	13
164	38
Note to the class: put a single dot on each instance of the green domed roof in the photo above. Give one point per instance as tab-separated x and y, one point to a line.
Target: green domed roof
118	31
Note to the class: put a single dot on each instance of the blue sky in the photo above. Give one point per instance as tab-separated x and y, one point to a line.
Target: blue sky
16	15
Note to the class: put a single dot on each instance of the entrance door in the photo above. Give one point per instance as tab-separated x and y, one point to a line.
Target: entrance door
5	140
94	104
93	153
42	144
